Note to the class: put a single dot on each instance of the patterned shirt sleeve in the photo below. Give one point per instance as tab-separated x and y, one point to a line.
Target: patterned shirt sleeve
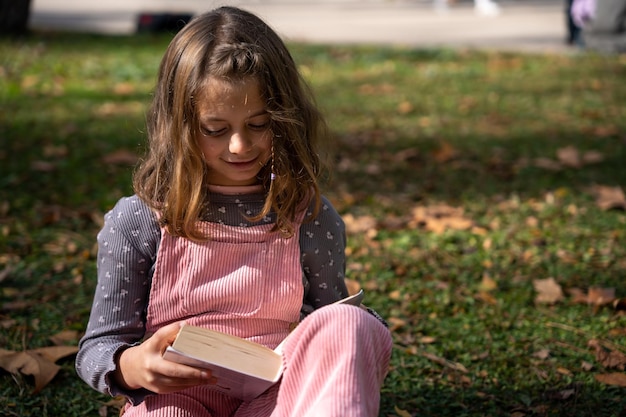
126	251
323	243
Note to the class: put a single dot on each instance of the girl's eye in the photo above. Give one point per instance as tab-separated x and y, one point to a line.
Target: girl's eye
212	132
259	126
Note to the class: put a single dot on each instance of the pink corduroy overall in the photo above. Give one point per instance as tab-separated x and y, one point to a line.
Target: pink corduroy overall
247	281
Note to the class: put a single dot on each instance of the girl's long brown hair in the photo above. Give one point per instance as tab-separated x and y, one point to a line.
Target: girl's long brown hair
231	44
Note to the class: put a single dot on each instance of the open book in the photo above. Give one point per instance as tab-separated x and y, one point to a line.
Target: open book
243	369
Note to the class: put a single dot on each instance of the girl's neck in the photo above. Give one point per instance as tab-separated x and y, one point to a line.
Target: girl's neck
236	190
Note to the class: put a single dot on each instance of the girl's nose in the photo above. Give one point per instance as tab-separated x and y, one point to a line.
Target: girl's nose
239	143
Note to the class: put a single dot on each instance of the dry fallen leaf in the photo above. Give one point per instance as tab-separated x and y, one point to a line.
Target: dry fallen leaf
592	157
54	353
445	362
116	403
120	157
445	153
578	296
548	291
610	359
615	378
438	218
427	340
353	286
488	284
401	413
609	198
601	296
569	156
596	296
65	337
361	224
542	354
396	323
547	163
39	363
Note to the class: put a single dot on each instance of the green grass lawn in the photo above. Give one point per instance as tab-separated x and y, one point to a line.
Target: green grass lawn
465	178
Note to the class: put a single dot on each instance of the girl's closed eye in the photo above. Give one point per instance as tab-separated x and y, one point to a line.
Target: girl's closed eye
212	131
259	125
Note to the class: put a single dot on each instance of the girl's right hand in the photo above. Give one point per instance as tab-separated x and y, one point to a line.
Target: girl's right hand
143	366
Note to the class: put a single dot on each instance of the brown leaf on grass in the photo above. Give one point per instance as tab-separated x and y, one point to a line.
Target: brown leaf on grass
610	359
124	88
548	164
488	284
596	296
54	353
396	323
110	108
548	291
405	107
445	153
439	218
39	363
578	296
379	89
592	157
120	157
353	286
608	198
569	156
43	166
601	296
28	363
52	151
359	224
427	340
456	366
116	403
614	378
486	298
400	412
5	272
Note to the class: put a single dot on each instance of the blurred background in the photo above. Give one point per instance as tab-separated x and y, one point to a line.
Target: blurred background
527	25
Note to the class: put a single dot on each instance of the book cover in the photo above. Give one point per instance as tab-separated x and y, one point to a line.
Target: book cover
243	369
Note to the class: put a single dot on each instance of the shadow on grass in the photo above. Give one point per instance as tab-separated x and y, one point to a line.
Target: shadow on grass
576	400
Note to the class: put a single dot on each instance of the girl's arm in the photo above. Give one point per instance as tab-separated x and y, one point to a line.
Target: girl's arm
322	246
127	246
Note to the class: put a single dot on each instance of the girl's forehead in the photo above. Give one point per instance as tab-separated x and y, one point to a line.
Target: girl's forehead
216	87
219	94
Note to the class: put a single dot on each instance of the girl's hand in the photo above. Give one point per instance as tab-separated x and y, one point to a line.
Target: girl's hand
143	366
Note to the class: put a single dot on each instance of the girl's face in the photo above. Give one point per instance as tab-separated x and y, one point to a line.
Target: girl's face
234	134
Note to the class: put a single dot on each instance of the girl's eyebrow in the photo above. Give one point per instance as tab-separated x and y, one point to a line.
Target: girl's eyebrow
212	118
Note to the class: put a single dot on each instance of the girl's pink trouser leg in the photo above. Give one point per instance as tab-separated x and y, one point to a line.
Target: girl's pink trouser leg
335	363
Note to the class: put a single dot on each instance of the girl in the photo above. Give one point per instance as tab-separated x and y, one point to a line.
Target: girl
228	230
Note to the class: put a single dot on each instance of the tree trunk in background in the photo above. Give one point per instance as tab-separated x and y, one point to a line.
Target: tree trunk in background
14	16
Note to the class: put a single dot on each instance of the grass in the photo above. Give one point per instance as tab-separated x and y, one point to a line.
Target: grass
414	128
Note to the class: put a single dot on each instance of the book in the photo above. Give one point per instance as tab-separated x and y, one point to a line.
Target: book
243	369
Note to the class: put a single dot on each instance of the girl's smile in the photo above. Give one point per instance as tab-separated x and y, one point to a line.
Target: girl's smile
234	133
